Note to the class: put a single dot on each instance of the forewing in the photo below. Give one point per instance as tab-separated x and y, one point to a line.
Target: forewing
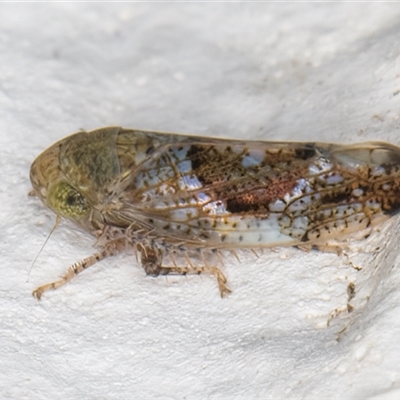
230	193
218	191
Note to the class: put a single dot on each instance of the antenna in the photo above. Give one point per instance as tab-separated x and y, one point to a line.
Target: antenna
58	219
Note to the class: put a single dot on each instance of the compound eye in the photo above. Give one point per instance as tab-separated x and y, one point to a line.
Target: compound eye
67	201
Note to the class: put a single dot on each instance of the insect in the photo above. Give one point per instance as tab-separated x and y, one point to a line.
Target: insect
174	196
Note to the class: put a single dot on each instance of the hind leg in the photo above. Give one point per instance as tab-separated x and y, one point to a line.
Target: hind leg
152	263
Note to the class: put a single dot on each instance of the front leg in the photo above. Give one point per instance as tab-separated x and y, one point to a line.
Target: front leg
111	248
152	258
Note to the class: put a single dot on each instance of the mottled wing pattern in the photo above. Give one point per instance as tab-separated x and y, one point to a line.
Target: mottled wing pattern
227	193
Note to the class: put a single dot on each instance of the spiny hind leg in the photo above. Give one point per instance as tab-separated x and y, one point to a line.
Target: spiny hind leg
110	249
152	263
205	269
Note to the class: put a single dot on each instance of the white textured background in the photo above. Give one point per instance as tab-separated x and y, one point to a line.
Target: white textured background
305	71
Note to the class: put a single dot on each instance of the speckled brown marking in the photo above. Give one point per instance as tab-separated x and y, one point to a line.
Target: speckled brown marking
257	200
306	152
213	165
184	197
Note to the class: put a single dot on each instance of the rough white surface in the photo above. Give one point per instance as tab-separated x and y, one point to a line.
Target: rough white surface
286	71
